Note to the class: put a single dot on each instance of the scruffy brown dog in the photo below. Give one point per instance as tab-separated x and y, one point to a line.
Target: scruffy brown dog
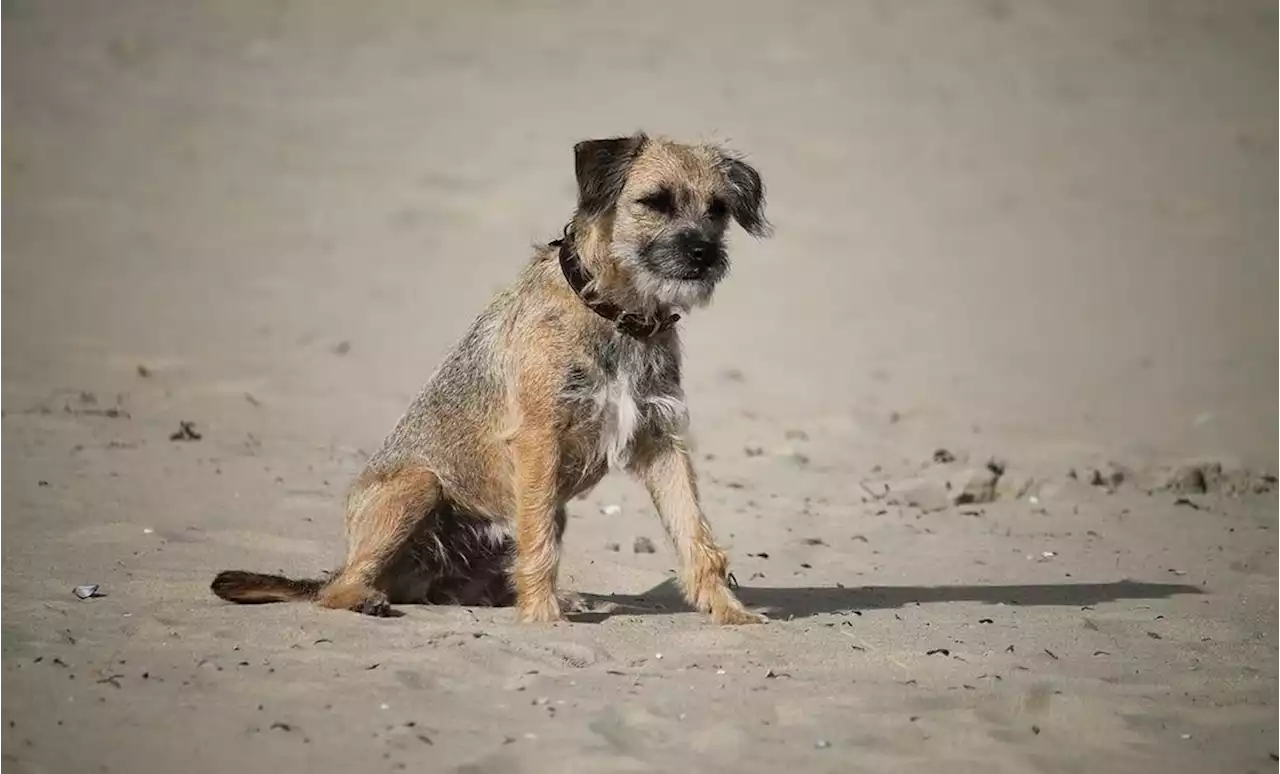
573	370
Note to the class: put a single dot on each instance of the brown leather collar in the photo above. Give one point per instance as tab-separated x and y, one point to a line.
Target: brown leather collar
634	325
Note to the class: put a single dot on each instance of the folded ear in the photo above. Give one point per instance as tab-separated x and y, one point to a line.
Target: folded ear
601	167
745	195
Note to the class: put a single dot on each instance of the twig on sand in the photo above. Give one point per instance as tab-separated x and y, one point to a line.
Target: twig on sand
867	647
871	492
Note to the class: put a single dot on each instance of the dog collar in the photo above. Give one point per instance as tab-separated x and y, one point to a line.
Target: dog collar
634	325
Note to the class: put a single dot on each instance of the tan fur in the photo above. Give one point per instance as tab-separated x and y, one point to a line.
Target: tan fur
669	476
465	500
383	509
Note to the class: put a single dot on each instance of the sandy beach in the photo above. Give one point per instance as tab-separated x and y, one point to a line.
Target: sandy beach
1027	248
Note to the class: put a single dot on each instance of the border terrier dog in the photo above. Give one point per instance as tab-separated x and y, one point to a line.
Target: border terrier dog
572	371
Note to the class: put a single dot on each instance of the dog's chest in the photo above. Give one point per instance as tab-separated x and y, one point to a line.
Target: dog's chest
635	391
619	418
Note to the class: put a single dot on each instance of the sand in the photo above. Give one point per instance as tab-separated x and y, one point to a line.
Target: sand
1036	232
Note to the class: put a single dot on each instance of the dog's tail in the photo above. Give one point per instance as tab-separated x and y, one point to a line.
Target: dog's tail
252	588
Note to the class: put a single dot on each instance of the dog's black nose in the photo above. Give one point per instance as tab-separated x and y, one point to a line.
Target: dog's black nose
698	249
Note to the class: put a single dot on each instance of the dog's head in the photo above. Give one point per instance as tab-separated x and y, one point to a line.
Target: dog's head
663	209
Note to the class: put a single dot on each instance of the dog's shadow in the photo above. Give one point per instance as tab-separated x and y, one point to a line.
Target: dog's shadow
803	602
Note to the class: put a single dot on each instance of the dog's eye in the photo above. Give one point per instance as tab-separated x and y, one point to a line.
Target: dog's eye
660	201
718	208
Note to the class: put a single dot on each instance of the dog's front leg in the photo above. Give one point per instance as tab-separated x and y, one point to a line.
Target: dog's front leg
538	531
667	472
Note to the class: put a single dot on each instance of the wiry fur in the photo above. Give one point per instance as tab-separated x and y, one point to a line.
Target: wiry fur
464	502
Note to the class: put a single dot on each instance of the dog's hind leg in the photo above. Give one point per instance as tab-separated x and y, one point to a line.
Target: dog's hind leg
383	513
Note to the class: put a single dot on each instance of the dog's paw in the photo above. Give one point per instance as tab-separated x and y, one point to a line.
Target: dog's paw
358	598
540	611
737	616
376	606
572	602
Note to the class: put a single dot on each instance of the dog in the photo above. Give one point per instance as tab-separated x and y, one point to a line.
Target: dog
573	370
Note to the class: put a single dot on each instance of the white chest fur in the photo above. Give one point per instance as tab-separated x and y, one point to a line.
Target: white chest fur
626	409
619	418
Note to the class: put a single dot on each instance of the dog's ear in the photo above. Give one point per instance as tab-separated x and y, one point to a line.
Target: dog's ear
745	195
601	167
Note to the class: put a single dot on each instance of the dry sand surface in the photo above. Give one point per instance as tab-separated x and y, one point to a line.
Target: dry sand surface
1037	232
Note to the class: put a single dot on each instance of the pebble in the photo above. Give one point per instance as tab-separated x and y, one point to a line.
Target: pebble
643	545
1193	478
611	509
1110	476
822	744
920	493
975	486
87	591
1017	487
1068	489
